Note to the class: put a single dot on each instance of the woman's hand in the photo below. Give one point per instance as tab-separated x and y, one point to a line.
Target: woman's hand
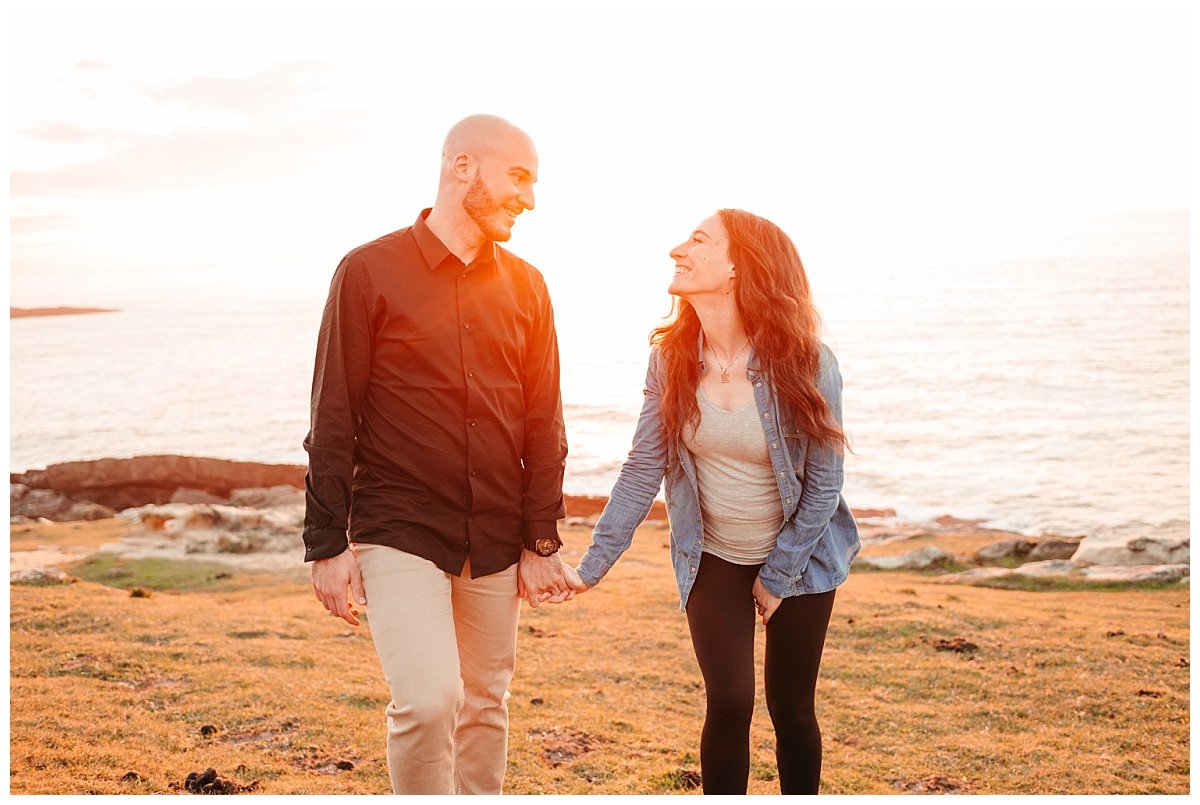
573	581
764	602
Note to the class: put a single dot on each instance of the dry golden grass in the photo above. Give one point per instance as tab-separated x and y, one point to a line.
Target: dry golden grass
89	534
1067	692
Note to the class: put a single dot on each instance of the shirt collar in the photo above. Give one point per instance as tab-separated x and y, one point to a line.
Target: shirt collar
436	253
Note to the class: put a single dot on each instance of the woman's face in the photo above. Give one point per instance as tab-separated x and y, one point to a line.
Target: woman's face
702	262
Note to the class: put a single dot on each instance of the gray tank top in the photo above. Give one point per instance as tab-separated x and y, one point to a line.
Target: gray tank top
739	499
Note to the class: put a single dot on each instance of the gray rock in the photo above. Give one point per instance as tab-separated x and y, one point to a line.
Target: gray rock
978	574
922	558
1142	573
1133	550
42	503
214	528
39	575
86	510
1054	549
1050	567
1005	548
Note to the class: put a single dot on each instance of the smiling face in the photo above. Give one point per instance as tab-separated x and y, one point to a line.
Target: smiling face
501	187
702	263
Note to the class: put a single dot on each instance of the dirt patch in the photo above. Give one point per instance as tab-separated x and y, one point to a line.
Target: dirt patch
561	746
210	782
934	784
959	645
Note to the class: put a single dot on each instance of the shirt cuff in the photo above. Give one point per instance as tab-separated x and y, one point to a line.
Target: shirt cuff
777	584
533	530
324	543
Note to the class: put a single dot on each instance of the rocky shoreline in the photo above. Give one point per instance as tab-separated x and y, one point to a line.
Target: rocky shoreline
30	312
251	513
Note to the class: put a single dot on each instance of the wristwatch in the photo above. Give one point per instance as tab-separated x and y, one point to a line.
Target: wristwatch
546	546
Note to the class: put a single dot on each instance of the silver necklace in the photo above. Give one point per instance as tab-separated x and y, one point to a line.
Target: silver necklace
726	364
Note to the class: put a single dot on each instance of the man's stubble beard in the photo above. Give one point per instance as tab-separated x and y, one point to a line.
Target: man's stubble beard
480	206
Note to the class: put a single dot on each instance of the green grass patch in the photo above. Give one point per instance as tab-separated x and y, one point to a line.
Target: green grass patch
677	780
1033	584
363	701
181	575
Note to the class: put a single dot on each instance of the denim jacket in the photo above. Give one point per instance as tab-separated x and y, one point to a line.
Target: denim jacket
819	538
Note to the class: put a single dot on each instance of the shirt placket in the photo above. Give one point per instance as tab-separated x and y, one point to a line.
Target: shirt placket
469	350
769	412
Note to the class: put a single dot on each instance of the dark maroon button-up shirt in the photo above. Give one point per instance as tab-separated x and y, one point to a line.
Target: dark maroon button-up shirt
437	423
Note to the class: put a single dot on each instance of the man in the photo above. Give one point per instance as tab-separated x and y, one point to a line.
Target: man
436	454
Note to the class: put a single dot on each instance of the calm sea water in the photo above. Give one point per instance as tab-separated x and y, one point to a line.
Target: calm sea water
1042	389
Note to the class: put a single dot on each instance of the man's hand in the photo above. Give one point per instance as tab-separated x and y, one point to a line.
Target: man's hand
764	602
541	579
330	579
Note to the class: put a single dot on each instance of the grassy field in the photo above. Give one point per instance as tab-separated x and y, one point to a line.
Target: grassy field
142	673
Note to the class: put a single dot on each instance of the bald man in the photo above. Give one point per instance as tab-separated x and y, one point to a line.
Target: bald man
436	455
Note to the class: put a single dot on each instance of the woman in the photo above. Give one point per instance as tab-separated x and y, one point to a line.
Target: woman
742	416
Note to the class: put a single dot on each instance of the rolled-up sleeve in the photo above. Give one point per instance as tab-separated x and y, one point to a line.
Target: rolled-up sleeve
340	378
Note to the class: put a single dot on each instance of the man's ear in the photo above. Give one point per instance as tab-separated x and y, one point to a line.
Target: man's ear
463	167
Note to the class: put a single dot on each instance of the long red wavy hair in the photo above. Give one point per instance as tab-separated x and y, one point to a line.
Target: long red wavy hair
773	299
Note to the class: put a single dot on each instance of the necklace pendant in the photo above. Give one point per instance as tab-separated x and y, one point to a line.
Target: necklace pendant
724	376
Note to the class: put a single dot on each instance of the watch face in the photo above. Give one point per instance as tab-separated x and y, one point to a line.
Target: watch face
545	546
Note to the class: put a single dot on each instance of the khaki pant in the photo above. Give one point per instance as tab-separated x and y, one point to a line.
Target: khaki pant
448	649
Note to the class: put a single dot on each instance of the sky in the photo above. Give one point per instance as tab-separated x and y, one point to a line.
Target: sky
169	147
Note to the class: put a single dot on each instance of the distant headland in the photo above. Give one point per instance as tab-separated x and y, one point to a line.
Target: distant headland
26	312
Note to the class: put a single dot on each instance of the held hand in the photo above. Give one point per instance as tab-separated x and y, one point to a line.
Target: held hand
577	584
330	579
764	602
541	579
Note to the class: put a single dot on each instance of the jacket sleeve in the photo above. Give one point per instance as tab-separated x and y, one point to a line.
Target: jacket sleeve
340	377
819	498
544	453
637	484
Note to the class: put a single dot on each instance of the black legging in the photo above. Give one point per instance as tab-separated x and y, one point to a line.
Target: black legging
721	617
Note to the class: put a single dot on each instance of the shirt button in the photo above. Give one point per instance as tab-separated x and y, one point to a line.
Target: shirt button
462	276
466	325
472	423
473	473
308	547
774	444
470	373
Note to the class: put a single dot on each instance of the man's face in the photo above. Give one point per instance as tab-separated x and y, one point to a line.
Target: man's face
501	189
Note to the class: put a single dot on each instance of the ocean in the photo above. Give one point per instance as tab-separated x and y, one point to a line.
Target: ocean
1042	389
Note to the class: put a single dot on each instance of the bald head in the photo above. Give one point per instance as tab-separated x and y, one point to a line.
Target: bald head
480	134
